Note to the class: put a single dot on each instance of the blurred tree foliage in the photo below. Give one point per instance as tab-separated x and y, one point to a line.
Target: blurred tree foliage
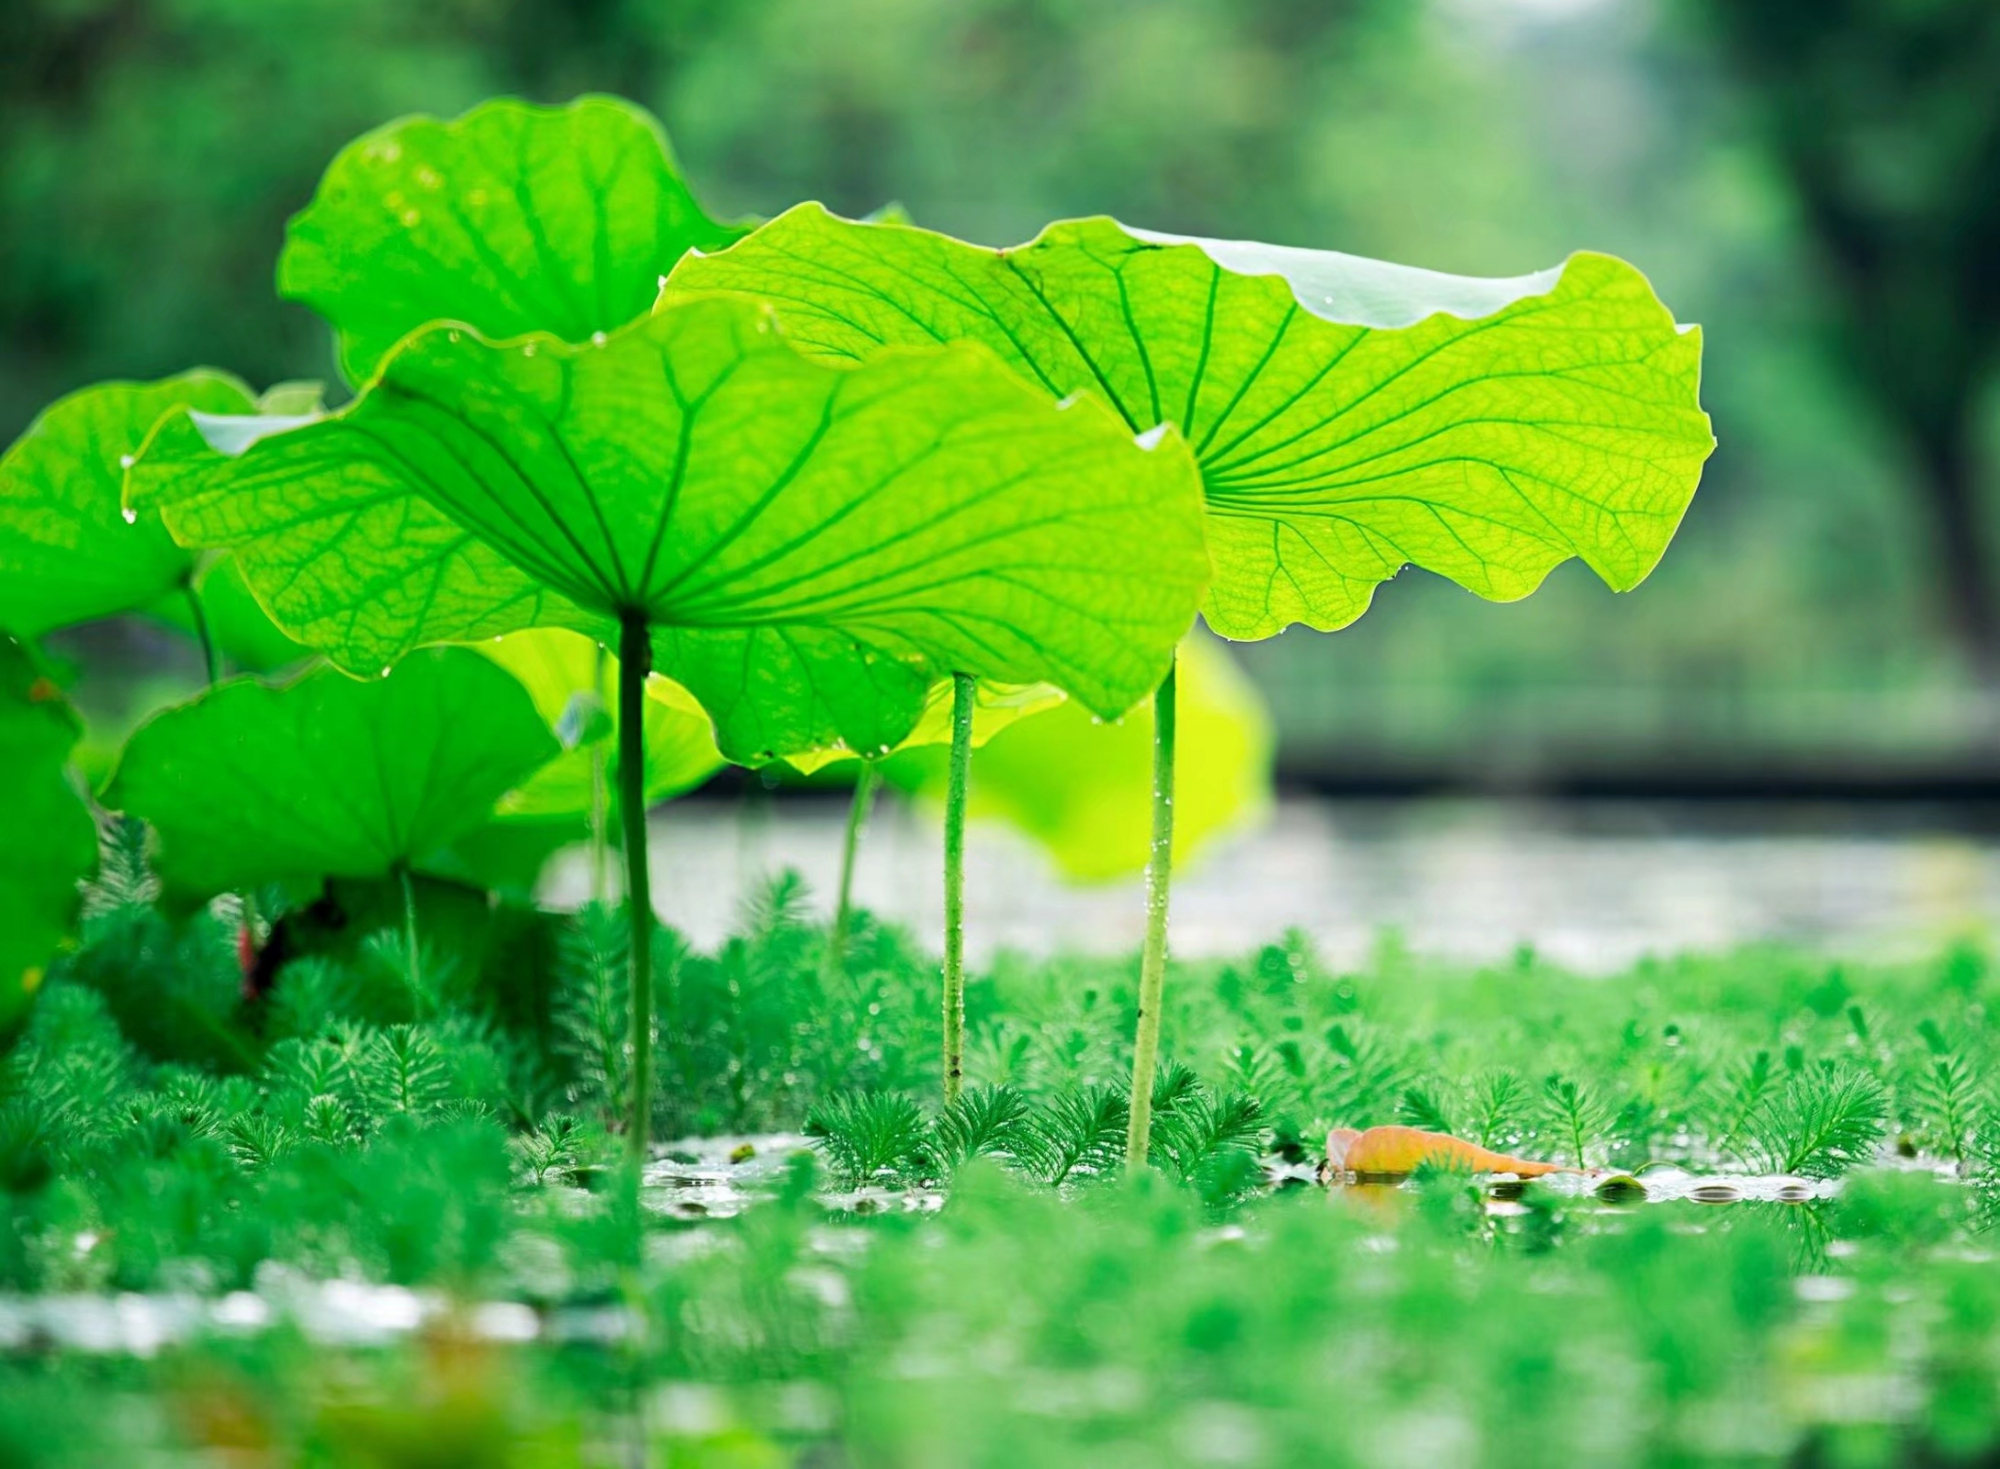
1885	118
150	151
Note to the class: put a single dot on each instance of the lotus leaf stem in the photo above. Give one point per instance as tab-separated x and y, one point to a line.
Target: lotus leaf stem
962	685
635	661
857	818
1153	958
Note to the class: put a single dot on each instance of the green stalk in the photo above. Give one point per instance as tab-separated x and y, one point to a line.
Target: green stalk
954	885
857	818
413	957
1153	958
635	661
210	658
600	821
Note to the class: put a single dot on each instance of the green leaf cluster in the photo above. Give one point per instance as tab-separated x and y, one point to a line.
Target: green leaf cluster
815	546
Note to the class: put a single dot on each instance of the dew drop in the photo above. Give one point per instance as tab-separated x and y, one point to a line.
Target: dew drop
385	672
598	339
125	461
454	337
528	350
131	515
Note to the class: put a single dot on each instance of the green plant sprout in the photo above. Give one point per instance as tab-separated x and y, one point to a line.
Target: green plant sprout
1349	417
807	548
48	841
330	777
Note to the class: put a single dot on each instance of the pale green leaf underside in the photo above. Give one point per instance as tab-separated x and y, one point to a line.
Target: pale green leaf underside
554	666
329	776
1558	417
1082	789
67	554
814	546
511	219
47	839
994	707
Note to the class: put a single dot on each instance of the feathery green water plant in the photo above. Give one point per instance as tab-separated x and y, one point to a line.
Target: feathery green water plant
48	842
1349	416
806	547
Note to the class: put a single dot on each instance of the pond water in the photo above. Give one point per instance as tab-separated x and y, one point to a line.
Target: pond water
1590	885
700	1179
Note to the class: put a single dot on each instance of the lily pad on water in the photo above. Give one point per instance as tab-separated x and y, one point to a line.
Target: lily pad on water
329	776
1350	416
513	218
814	547
48	843
1082	788
68	554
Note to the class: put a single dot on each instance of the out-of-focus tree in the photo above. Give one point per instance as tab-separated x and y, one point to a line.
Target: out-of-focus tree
1885	116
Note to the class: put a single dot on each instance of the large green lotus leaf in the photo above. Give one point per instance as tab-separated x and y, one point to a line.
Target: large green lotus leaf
512	219
329	776
814	545
994	707
559	669
1083	788
48	843
67	552
1350	416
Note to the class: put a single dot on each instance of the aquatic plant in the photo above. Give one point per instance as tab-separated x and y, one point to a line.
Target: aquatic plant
1348	417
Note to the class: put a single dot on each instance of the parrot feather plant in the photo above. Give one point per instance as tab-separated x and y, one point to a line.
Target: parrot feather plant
1349	417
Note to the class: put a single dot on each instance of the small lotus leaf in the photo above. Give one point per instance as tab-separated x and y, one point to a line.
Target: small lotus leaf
511	219
329	776
557	666
67	552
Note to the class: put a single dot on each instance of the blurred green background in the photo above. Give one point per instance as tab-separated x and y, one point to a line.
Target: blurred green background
1816	181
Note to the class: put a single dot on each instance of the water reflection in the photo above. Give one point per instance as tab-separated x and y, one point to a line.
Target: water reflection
1590	885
